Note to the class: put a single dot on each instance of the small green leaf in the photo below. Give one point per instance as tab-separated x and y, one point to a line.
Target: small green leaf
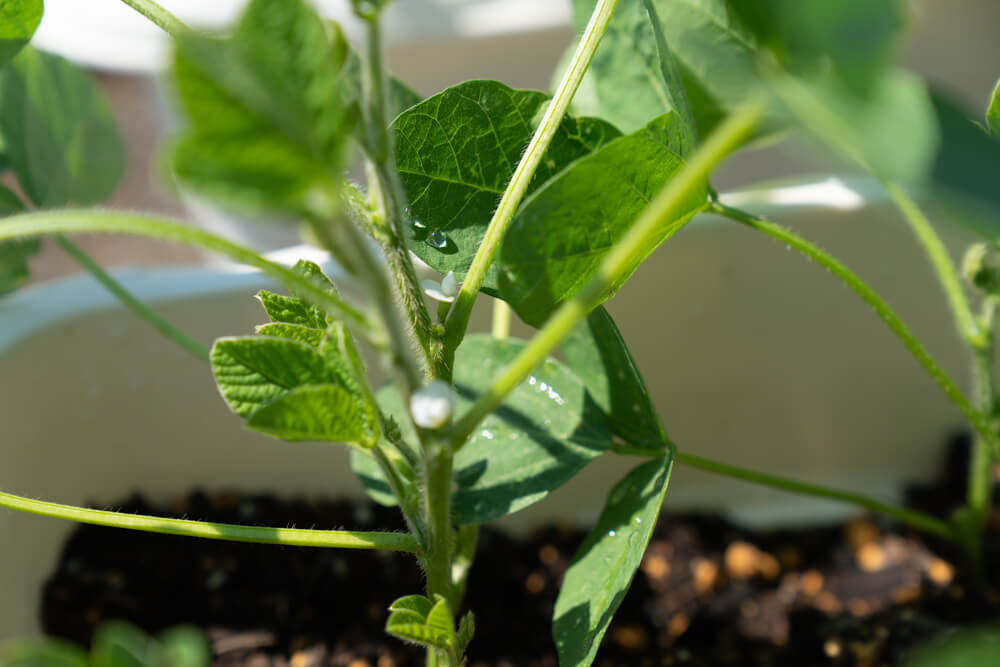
410	626
18	21
993	112
562	232
968	647
597	354
890	132
440	621
415	603
252	372
61	136
602	569
14	254
185	646
312	413
291	310
457	151
293	332
43	653
267	127
466	631
121	644
633	72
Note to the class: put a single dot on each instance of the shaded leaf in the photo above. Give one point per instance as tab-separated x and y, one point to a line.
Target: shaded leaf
602	569
14	254
562	232
185	646
456	153
43	653
968	647
61	136
993	112
267	129
121	644
312	413
633	73
597	354
18	21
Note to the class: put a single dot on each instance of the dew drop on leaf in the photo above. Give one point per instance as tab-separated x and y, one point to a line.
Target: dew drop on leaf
437	240
611	533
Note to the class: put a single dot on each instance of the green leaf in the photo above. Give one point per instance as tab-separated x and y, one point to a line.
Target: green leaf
267	127
43	653
457	151
890	132
312	413
252	372
293	332
415	603
121	644
546	431
562	232
968	647
633	72
440	621
417	619
466	631
602	569
993	112
185	646
597	354
18	21
61	136
291	310
14	254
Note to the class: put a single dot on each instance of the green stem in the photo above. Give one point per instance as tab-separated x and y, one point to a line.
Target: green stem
341	539
408	505
944	267
980	487
661	215
158	15
46	223
913	518
501	319
870	297
143	311
440	554
458	320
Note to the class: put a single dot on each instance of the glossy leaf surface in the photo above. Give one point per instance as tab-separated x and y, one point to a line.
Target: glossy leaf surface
61	136
266	125
602	569
597	354
562	232
14	254
456	152
18	21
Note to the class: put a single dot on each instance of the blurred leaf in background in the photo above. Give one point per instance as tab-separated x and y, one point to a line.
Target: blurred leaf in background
18	21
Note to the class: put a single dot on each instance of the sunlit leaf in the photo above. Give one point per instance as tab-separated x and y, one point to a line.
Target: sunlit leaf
18	21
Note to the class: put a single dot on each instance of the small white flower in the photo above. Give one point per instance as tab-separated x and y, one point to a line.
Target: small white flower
445	292
433	405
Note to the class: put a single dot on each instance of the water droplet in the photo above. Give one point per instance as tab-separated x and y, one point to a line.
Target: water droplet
418	230
488	434
532	380
437	240
638	519
611	533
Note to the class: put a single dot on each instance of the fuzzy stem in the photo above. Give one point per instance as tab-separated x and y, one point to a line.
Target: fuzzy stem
126	298
660	215
881	308
158	15
913	518
438	560
980	485
458	320
342	539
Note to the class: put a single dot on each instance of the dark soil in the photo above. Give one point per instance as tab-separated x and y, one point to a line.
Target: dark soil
708	592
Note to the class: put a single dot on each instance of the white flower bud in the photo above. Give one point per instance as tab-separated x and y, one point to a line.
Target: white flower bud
449	285
445	291
433	405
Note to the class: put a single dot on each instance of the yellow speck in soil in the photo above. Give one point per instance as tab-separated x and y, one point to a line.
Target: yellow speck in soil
859	607
832	647
631	637
812	582
871	557
548	554
940	572
705	573
828	603
535	583
678	625
656	567
861	532
741	560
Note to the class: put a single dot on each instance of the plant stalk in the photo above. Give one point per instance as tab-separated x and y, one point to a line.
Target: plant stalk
458	319
881	308
169	23
501	319
341	539
980	486
144	312
437	498
910	517
648	227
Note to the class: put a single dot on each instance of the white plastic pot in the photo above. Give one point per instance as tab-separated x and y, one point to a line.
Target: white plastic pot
751	354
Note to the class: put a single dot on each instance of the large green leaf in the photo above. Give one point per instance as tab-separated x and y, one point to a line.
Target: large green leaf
602	569
562	232
61	137
14	254
890	131
267	127
326	412
967	647
597	354
546	431
633	72
456	153
18	20
993	112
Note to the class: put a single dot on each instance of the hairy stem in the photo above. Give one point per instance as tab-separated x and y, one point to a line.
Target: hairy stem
661	215
341	539
980	485
458	319
126	298
158	15
440	554
869	296
913	518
